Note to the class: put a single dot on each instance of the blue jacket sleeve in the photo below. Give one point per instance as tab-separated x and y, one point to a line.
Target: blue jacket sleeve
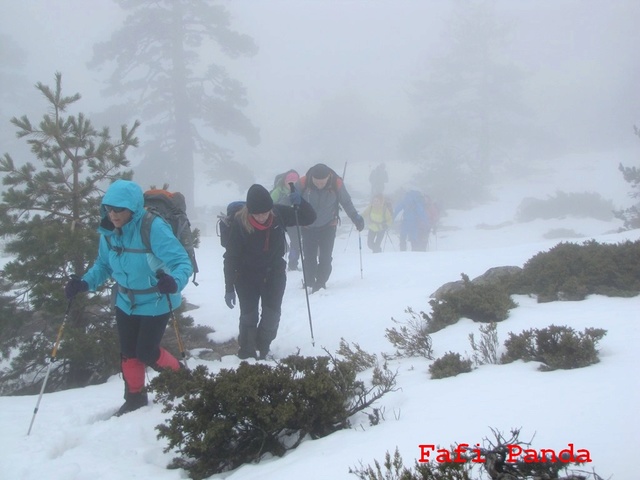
168	249
100	271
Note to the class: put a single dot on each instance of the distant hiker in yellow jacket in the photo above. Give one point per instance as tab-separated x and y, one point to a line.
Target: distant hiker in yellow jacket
379	217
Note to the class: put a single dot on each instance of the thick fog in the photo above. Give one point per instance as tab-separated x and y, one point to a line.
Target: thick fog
339	81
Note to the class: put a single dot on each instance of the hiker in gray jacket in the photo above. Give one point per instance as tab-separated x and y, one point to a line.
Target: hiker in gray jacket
325	191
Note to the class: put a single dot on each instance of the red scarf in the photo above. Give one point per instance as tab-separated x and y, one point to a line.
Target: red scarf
262	226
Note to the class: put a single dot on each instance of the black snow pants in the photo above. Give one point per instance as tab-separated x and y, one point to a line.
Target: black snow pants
259	328
317	246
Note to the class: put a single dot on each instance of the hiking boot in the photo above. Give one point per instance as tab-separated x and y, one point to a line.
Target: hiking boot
133	401
244	354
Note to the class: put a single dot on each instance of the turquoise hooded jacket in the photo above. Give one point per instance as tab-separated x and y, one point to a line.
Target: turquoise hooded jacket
136	271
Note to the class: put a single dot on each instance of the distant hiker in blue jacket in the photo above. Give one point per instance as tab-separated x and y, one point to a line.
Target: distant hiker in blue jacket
144	281
415	224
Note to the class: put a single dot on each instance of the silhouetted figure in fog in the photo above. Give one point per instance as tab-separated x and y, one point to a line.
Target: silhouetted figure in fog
378	178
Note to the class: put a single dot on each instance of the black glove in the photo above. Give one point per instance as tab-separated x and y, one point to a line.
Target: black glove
230	299
359	222
295	198
166	284
75	286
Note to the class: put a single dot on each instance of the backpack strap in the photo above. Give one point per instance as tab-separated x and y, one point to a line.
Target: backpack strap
145	229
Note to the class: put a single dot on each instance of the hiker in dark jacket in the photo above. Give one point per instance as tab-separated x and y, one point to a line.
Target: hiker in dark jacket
254	266
325	191
378	178
145	284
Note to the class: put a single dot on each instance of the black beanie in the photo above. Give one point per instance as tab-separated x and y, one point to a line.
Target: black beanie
319	171
258	199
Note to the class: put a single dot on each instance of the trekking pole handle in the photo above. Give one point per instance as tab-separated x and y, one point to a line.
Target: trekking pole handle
293	189
160	273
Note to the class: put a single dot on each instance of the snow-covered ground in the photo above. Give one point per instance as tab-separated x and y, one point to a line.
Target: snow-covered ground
593	408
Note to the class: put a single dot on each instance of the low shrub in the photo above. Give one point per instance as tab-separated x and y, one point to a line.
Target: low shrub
560	205
495	459
557	347
556	233
480	302
394	469
412	339
572	271
486	350
224	420
449	365
356	356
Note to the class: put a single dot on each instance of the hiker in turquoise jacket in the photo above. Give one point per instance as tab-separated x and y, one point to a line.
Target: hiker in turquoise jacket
145	283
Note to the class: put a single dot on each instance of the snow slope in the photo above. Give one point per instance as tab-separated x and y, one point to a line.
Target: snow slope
594	408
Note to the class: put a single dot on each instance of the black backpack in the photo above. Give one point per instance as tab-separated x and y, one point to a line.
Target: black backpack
171	207
225	219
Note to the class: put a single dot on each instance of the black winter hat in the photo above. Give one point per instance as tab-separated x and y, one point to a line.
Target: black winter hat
319	171
258	199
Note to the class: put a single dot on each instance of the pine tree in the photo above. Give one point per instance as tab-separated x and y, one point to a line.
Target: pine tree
159	55
49	215
471	105
631	215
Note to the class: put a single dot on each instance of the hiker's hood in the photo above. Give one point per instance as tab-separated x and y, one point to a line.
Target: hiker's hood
123	193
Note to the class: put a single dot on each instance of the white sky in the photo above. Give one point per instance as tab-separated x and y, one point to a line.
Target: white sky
595	408
579	56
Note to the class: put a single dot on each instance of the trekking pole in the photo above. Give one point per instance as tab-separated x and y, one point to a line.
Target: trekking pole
54	352
389	237
181	349
348	237
183	354
360	247
304	274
